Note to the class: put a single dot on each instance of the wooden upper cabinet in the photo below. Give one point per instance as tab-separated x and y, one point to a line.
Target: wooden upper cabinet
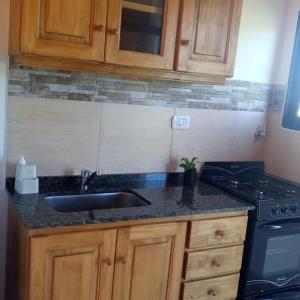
142	33
73	266
208	36
64	28
149	262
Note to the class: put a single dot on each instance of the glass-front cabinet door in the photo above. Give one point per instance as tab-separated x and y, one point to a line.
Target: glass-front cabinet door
142	33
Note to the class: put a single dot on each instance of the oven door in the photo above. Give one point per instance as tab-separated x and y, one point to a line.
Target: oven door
275	257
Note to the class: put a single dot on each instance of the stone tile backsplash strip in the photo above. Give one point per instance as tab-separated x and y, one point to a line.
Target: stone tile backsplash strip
234	95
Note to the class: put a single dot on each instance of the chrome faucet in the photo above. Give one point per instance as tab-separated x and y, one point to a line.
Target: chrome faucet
86	177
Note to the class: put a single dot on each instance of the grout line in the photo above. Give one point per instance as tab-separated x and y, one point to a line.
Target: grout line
172	136
99	135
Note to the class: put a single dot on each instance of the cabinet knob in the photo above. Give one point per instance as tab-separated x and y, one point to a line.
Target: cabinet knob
108	261
211	292
122	260
99	28
220	233
113	31
215	263
185	42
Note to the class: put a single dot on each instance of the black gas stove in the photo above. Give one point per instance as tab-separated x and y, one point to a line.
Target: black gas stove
271	262
275	198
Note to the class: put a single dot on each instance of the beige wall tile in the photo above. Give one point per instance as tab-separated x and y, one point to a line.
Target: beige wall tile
210	136
60	136
245	145
282	150
134	138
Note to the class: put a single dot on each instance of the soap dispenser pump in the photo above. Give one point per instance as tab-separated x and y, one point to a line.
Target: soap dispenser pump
26	181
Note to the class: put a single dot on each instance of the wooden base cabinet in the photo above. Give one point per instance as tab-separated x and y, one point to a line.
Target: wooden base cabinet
149	262
213	258
77	266
128	263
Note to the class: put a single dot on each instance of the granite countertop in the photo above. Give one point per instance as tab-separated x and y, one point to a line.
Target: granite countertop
164	191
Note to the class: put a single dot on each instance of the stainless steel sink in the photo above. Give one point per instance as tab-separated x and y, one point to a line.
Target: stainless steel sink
88	202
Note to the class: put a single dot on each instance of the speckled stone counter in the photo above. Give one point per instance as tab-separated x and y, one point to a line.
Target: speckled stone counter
164	191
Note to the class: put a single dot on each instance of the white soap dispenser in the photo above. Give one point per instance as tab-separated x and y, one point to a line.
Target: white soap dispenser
26	181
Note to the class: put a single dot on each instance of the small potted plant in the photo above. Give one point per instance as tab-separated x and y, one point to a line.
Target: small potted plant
190	174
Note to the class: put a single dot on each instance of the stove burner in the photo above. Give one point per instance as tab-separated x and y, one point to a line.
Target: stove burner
260	194
234	183
290	192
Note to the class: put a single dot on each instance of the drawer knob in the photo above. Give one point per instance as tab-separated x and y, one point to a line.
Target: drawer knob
215	263
211	292
220	233
122	260
108	261
185	42
99	28
113	31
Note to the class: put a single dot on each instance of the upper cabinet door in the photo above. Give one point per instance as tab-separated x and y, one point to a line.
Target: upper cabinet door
208	36
142	33
64	28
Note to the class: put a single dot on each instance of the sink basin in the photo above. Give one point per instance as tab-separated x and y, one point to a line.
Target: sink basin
87	202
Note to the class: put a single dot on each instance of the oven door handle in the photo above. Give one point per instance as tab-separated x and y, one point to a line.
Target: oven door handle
271	227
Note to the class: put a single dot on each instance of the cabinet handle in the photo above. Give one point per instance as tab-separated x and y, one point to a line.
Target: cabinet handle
211	292
99	28
215	263
108	261
122	260
113	31
220	233
185	42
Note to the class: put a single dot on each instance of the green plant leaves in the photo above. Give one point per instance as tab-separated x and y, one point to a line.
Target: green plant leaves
188	164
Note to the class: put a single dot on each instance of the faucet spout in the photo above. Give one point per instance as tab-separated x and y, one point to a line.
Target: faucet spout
86	177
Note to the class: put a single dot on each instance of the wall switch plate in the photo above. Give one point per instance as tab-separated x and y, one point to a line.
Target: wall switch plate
181	122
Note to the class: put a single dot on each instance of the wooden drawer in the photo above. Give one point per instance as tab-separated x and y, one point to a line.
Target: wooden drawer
217	232
221	288
209	263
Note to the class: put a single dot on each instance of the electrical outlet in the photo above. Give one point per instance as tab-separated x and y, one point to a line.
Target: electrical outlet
181	122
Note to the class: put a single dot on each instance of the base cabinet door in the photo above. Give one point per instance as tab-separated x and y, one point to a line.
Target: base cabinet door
77	266
208	36
64	28
149	262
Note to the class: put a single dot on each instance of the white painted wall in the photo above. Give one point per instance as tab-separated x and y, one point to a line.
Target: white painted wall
4	21
260	40
282	148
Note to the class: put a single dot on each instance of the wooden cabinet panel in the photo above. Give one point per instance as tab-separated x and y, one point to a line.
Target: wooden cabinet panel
222	288
214	262
72	266
140	34
64	28
149	262
208	36
217	232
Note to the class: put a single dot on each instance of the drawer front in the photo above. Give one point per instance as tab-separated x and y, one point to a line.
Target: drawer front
217	232
215	262
222	288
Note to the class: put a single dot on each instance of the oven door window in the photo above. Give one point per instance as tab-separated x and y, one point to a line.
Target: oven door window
282	255
275	256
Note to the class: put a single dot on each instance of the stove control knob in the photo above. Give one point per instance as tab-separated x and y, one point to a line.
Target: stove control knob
284	210
274	211
293	209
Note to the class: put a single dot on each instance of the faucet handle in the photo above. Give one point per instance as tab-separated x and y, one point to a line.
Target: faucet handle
85	173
